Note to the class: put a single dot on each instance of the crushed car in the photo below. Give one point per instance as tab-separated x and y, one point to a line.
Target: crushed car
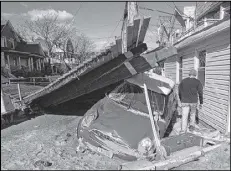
119	124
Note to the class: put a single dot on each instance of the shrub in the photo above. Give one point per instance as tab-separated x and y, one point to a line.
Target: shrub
5	72
47	70
17	71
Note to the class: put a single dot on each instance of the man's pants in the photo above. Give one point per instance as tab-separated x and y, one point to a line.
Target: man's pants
188	109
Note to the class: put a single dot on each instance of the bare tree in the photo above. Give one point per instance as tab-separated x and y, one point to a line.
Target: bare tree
83	46
49	28
56	33
23	32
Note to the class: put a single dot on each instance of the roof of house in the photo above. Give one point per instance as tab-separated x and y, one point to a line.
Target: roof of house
32	48
42	43
204	8
204	33
2	26
4	23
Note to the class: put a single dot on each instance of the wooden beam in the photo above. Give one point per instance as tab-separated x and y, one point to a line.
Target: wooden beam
160	149
174	160
19	93
40	67
143	30
29	64
114	51
19	62
129	36
177	70
32	63
106	74
119	45
8	62
135	32
92	79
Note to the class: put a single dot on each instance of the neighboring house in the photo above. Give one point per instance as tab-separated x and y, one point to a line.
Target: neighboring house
17	53
206	48
57	59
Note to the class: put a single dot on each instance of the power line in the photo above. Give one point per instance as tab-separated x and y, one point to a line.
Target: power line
113	32
98	26
77	11
144	8
149	9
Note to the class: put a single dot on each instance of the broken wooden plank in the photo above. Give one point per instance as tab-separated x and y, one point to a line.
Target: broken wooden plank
160	149
141	164
135	32
114	51
98	78
212	136
143	30
175	160
90	79
129	36
182	159
119	45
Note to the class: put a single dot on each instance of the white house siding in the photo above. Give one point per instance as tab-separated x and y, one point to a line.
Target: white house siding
188	62
217	80
217	76
170	68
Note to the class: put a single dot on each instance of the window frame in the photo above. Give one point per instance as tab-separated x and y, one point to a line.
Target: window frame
180	68
15	61
4	41
199	64
11	40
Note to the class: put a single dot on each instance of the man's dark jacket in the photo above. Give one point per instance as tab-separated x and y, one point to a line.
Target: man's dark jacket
189	89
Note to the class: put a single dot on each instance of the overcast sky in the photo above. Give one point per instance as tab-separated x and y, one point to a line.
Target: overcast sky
97	20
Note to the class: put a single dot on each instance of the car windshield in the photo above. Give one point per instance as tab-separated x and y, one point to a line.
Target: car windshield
132	96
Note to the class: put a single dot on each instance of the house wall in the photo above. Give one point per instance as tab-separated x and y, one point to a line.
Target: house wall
8	33
24	61
2	59
11	57
217	76
170	68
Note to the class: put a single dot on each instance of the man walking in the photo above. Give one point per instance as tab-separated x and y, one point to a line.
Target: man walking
189	89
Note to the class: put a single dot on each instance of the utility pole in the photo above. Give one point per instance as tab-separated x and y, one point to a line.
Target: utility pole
130	12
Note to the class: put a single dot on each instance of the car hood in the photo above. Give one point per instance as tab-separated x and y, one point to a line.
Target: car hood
131	127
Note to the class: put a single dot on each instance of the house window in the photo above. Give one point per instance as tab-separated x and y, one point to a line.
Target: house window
15	61
27	62
202	65
11	43
180	68
3	42
6	61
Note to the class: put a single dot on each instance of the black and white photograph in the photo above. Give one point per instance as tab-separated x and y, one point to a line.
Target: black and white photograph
115	85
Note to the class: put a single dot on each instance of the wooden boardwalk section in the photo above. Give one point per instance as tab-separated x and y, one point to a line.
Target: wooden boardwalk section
110	67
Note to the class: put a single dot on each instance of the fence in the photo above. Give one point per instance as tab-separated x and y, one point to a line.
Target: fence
42	81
